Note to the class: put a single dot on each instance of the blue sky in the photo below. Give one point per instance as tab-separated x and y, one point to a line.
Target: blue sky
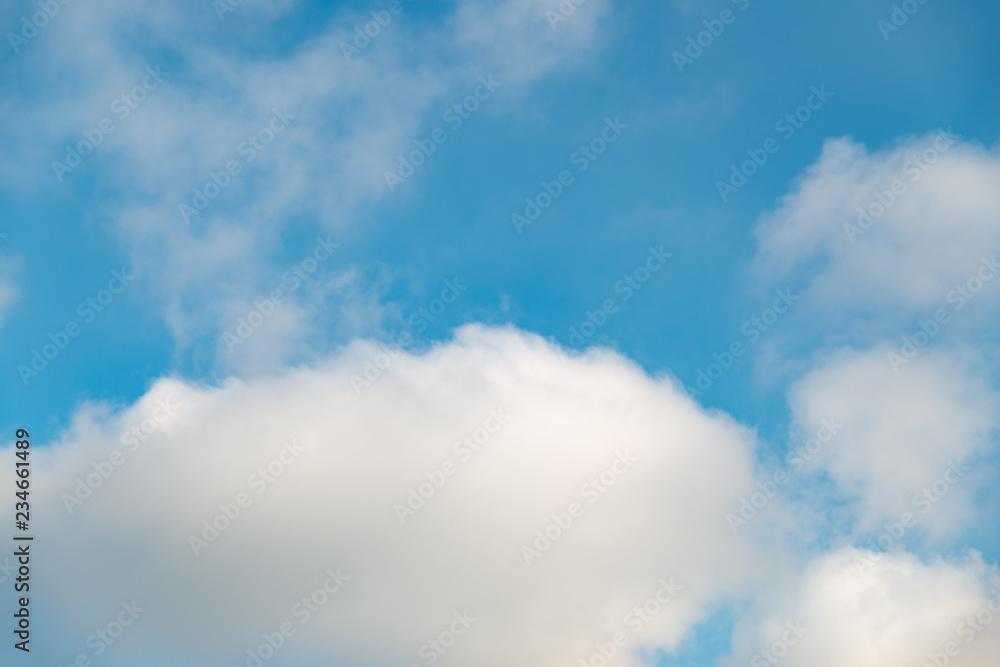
888	97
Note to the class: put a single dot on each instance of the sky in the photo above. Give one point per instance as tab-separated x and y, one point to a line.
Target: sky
492	323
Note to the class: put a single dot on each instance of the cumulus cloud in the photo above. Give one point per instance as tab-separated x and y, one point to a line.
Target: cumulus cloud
637	474
903	433
854	607
887	233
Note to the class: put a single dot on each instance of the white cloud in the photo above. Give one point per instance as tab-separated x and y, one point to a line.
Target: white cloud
567	419
920	243
895	611
352	120
521	43
901	433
